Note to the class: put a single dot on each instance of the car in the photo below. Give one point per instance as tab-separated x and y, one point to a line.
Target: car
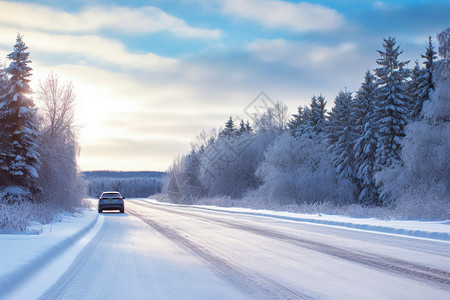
111	201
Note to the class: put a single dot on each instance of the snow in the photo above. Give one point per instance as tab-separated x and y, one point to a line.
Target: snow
206	252
24	255
439	230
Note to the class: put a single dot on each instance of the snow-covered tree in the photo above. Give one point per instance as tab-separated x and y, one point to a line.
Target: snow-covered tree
316	119
430	57
391	111
340	135
421	86
19	160
59	173
444	49
228	165
296	119
244	127
229	130
297	169
421	182
419	91
366	141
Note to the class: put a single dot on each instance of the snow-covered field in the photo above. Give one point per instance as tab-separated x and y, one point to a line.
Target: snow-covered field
162	251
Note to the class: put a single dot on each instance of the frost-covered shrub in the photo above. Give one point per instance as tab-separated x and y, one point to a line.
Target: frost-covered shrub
12	194
16	217
228	165
299	170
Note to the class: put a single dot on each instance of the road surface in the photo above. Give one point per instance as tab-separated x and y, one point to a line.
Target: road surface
157	251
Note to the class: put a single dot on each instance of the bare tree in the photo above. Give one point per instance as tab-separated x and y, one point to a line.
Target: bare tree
58	102
63	186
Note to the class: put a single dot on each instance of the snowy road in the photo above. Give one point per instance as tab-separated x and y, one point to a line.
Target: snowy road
156	251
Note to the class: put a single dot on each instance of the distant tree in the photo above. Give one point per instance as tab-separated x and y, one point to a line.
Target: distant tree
229	130
303	126
296	119
19	159
366	140
316	120
281	115
248	127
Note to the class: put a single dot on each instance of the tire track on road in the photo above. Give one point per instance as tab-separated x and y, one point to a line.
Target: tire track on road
257	285
435	277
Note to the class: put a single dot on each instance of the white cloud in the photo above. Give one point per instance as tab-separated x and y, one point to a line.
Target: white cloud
297	54
299	17
88	47
122	19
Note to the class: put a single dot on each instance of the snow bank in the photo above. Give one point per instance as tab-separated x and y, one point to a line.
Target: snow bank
25	255
438	230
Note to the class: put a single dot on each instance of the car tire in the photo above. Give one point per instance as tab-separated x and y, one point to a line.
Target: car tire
100	211
122	210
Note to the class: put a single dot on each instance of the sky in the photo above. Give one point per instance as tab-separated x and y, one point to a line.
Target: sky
151	75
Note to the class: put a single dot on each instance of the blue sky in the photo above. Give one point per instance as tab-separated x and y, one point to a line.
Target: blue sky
150	75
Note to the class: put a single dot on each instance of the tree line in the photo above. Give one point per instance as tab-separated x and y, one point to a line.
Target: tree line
384	144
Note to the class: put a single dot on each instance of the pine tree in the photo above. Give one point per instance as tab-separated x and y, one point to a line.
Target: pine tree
304	126
19	159
418	91
391	110
297	119
365	144
242	128
429	56
421	87
229	130
340	135
248	127
316	118
318	113
444	49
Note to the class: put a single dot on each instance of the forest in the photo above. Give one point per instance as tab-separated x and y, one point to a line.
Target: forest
382	150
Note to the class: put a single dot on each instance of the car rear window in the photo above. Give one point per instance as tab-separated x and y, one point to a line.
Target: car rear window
110	195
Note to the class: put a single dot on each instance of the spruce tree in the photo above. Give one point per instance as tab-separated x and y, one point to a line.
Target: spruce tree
229	130
316	119
429	56
340	135
248	127
391	110
297	119
242	128
419	91
366	142
19	160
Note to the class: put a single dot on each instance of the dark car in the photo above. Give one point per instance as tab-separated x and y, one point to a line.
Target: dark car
111	201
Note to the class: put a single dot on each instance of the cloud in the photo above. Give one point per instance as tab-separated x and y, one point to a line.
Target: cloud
297	54
90	48
146	19
298	17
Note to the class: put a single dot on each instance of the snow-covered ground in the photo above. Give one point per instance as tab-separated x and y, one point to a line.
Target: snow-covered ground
162	251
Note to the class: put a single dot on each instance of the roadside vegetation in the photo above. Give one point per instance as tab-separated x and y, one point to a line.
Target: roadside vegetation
39	175
382	150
